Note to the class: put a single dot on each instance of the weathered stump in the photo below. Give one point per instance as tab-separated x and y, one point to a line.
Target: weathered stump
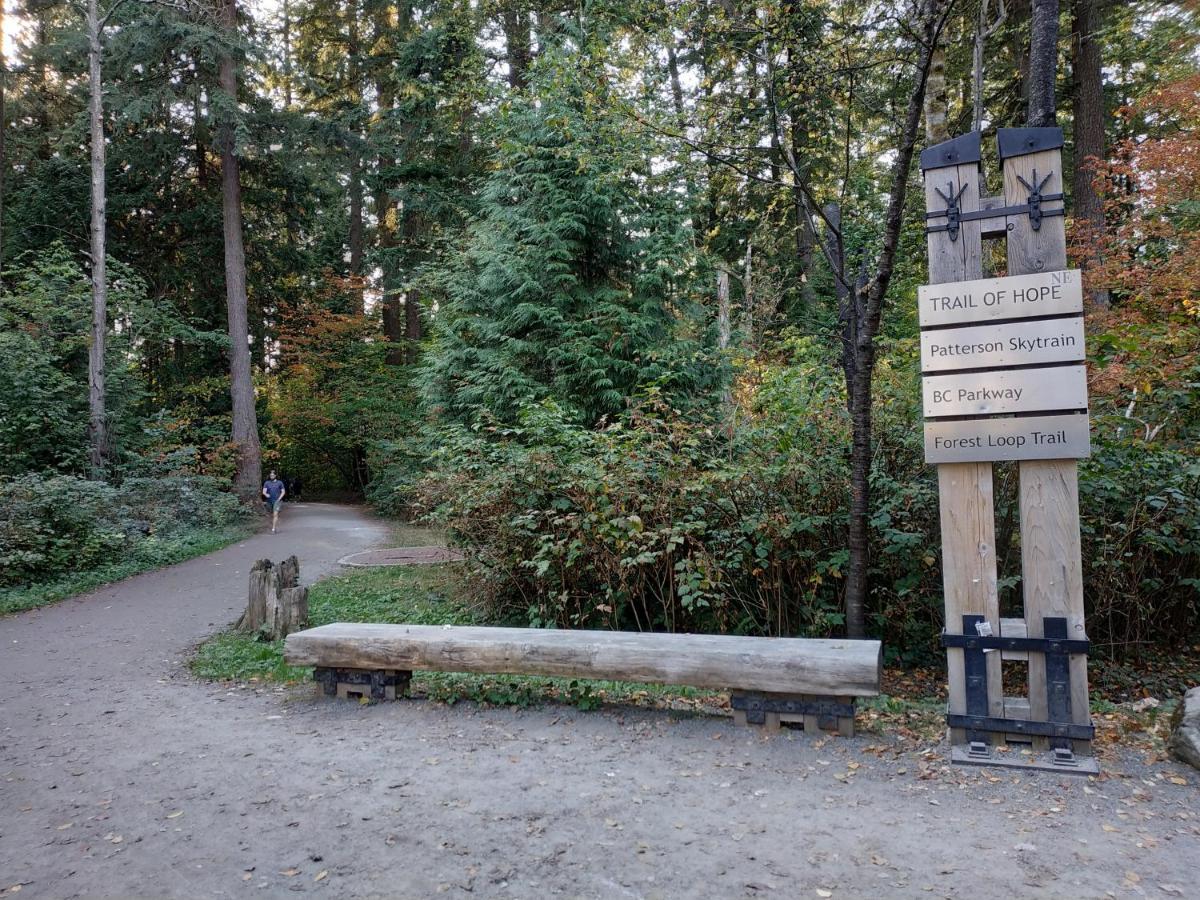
277	604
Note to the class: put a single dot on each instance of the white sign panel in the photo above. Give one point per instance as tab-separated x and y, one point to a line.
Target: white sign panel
1012	344
985	440
994	393
1016	297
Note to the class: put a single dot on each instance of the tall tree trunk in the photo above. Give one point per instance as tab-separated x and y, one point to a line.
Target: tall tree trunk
936	100
516	39
868	299
356	180
1043	63
97	415
1088	107
241	382
292	227
748	293
3	129
983	30
412	325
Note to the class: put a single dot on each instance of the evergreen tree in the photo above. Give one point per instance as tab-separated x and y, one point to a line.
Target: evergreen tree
566	287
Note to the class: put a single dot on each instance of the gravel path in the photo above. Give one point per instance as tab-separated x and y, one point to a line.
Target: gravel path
121	776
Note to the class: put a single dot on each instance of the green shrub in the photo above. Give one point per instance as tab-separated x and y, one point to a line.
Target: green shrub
51	526
666	521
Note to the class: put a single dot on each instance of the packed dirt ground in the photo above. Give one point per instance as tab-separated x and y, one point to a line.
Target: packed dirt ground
123	776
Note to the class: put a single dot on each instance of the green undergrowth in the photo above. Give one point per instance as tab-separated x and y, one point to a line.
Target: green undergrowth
148	554
421	595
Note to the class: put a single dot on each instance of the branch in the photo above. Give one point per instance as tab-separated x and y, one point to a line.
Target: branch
934	20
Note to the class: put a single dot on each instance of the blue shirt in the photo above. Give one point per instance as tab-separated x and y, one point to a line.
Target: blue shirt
274	489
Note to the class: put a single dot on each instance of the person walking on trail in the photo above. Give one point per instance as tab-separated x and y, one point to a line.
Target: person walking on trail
273	493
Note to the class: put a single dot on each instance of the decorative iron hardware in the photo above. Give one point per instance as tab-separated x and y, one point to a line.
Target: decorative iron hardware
1022	726
377	681
1048	645
1036	198
1032	208
952	212
1056	648
756	707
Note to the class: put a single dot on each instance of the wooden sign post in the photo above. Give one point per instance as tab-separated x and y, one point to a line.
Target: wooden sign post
1003	379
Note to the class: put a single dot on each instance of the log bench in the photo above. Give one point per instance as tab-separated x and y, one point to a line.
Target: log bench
771	680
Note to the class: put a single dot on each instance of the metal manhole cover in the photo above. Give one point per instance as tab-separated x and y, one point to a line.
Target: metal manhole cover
402	556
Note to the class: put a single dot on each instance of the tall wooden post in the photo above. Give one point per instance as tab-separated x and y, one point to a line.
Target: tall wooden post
1003	379
1051	567
952	173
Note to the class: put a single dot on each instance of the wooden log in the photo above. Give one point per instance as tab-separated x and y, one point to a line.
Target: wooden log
781	665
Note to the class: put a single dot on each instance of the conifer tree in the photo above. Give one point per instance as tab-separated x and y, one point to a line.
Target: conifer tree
565	287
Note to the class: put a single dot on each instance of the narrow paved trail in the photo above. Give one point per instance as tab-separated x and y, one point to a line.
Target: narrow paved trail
122	776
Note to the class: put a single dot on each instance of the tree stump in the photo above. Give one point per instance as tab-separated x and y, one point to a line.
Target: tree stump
277	604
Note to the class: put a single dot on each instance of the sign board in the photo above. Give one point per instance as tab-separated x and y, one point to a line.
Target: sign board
999	392
1011	344
994	299
1028	437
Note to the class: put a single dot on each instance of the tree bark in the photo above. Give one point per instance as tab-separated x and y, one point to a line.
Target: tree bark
356	180
97	414
412	325
1043	63
241	382
983	31
936	102
3	129
516	38
1088	108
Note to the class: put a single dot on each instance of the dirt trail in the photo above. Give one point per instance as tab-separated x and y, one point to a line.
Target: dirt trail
120	776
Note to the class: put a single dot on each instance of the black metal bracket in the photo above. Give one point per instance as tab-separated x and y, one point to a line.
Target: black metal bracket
1057	649
1036	198
1048	645
952	212
756	707
1032	208
377	680
1022	726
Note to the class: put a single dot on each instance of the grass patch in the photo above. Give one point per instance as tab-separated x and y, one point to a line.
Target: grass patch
151	553
416	594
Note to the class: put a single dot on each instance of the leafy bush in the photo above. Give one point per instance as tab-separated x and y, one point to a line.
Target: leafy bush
1140	505
51	526
668	522
664	522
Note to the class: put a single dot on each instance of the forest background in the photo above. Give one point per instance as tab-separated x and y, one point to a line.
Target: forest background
594	286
